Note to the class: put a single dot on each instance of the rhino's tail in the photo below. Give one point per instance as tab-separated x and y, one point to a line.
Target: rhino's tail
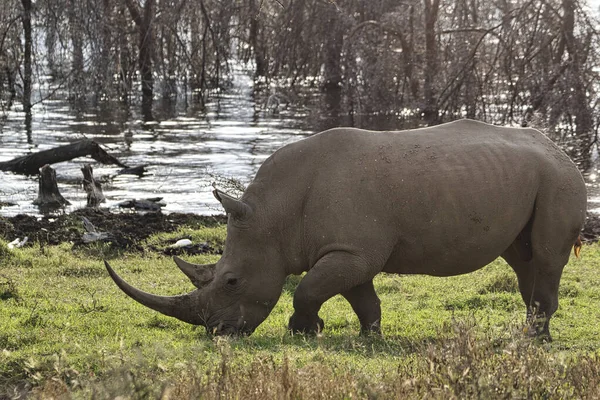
577	246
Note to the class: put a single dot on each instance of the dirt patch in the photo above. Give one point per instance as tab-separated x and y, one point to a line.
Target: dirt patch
127	229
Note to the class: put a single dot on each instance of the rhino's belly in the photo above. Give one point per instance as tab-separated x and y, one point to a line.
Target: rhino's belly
442	266
439	256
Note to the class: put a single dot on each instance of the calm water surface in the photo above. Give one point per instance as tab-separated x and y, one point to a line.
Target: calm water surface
185	151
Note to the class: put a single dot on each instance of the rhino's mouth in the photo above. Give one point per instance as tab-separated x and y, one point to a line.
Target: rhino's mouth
229	328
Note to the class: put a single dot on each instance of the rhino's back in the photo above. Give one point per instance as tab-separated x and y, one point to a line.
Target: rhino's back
438	146
425	196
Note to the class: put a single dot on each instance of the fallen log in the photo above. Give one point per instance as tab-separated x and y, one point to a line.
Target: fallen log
48	194
31	163
92	188
151	204
139	170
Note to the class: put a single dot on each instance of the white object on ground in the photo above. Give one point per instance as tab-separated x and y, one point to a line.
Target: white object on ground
181	243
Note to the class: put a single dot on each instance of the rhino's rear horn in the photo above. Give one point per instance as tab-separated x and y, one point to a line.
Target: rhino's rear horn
199	274
237	208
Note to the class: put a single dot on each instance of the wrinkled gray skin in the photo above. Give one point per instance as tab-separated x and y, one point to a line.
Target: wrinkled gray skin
347	204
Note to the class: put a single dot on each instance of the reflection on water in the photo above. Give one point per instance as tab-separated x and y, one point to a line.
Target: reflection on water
231	137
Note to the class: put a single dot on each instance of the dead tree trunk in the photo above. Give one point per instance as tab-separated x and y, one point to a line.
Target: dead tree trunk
92	188
430	109
76	32
584	121
30	164
27	73
123	55
144	21
332	68
257	44
48	194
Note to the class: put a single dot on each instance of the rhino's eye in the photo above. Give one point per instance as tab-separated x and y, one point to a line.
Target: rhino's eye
232	281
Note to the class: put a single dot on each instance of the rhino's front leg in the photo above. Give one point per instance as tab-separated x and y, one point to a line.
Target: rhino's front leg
335	273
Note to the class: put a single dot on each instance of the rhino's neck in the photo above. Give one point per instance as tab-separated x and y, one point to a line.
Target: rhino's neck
281	222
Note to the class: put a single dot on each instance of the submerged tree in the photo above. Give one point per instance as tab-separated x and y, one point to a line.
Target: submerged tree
143	19
507	61
98	49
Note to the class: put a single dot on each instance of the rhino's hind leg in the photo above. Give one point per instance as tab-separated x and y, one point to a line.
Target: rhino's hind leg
539	290
538	257
336	272
366	305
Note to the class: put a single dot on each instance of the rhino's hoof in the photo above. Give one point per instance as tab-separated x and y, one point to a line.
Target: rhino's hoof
371	329
300	324
538	328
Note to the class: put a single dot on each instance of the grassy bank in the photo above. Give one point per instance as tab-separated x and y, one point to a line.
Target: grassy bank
67	330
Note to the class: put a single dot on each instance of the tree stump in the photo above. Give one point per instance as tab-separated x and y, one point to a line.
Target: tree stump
48	194
92	188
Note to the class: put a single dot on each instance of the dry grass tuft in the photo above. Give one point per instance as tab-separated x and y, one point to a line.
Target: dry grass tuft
464	362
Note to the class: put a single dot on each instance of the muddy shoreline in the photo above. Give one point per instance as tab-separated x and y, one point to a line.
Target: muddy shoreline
128	229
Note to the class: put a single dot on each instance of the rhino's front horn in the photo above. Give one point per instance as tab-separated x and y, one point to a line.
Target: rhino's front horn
184	307
199	274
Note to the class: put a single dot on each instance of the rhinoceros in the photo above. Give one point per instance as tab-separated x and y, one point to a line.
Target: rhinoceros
347	204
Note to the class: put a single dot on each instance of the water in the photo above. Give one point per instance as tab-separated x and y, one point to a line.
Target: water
186	151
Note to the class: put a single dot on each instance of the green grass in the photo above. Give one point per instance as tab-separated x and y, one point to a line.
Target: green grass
67	330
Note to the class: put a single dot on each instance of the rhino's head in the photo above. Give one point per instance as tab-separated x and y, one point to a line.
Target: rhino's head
236	294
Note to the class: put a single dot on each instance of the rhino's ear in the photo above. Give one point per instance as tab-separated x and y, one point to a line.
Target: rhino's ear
237	208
